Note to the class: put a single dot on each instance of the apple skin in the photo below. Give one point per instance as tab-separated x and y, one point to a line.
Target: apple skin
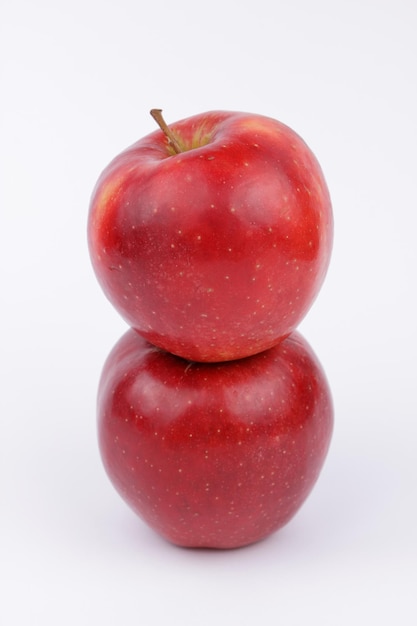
213	455
218	252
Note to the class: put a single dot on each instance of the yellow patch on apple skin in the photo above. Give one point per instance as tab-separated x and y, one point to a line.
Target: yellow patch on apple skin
257	125
105	196
199	138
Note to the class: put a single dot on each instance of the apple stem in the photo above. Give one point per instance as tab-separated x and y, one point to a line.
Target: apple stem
157	116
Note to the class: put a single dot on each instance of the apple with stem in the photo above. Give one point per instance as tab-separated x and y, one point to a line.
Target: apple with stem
212	236
214	455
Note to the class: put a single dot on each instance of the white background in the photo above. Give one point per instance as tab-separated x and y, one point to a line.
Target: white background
77	80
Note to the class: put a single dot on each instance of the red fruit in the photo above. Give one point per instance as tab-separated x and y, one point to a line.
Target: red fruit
214	455
217	252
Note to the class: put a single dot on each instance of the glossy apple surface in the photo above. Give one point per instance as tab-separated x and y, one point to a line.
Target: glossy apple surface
213	455
217	252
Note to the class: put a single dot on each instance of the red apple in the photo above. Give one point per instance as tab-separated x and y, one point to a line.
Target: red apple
213	455
213	243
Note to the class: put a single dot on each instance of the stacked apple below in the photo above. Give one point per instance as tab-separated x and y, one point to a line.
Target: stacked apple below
215	455
212	238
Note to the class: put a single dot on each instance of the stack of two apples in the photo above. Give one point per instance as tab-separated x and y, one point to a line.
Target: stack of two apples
212	237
